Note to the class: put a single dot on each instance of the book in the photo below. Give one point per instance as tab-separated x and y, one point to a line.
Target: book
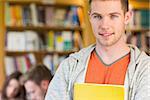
32	41
59	42
140	39
145	18
68	40
21	63
50	41
9	65
7	15
49	16
75	19
41	15
59	17
34	14
18	11
22	41
140	19
89	91
27	19
48	61
15	41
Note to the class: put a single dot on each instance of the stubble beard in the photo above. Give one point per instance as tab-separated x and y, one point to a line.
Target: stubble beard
110	41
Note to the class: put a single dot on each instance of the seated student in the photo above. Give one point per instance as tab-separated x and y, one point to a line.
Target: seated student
12	89
37	81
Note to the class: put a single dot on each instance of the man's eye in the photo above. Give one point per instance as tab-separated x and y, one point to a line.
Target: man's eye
113	16
97	17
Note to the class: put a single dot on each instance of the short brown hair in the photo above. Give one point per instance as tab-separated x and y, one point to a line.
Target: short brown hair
125	4
38	73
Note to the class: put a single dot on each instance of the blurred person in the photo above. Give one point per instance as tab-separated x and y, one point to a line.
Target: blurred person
37	81
12	89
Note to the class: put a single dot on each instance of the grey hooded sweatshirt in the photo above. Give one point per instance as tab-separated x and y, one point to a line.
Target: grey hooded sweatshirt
73	69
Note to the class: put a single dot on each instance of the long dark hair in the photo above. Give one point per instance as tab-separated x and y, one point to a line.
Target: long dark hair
21	95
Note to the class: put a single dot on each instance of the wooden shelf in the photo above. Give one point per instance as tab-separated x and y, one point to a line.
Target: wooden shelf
139	30
47	2
42	28
140	4
23	1
18	53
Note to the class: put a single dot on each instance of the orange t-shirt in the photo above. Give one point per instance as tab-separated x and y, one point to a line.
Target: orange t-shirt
100	73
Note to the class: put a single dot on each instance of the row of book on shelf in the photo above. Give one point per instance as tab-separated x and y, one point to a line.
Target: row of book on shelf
24	62
140	39
38	15
51	41
140	19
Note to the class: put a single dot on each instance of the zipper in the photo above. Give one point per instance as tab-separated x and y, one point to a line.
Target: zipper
75	75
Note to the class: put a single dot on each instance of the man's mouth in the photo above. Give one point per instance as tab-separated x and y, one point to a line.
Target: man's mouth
105	34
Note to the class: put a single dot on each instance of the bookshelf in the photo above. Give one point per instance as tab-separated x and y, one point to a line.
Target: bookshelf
138	31
42	31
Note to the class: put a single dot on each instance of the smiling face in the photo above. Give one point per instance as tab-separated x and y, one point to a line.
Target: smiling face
108	21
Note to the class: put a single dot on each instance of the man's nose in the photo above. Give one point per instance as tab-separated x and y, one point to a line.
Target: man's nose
104	24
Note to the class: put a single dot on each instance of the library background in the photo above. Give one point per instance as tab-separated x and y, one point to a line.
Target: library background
47	31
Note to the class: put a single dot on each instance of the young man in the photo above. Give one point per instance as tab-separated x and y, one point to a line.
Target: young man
36	83
110	61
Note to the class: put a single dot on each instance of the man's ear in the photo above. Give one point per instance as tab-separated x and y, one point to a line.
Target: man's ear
44	84
89	12
128	17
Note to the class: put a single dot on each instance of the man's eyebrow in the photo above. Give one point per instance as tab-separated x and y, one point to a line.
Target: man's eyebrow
95	13
114	13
